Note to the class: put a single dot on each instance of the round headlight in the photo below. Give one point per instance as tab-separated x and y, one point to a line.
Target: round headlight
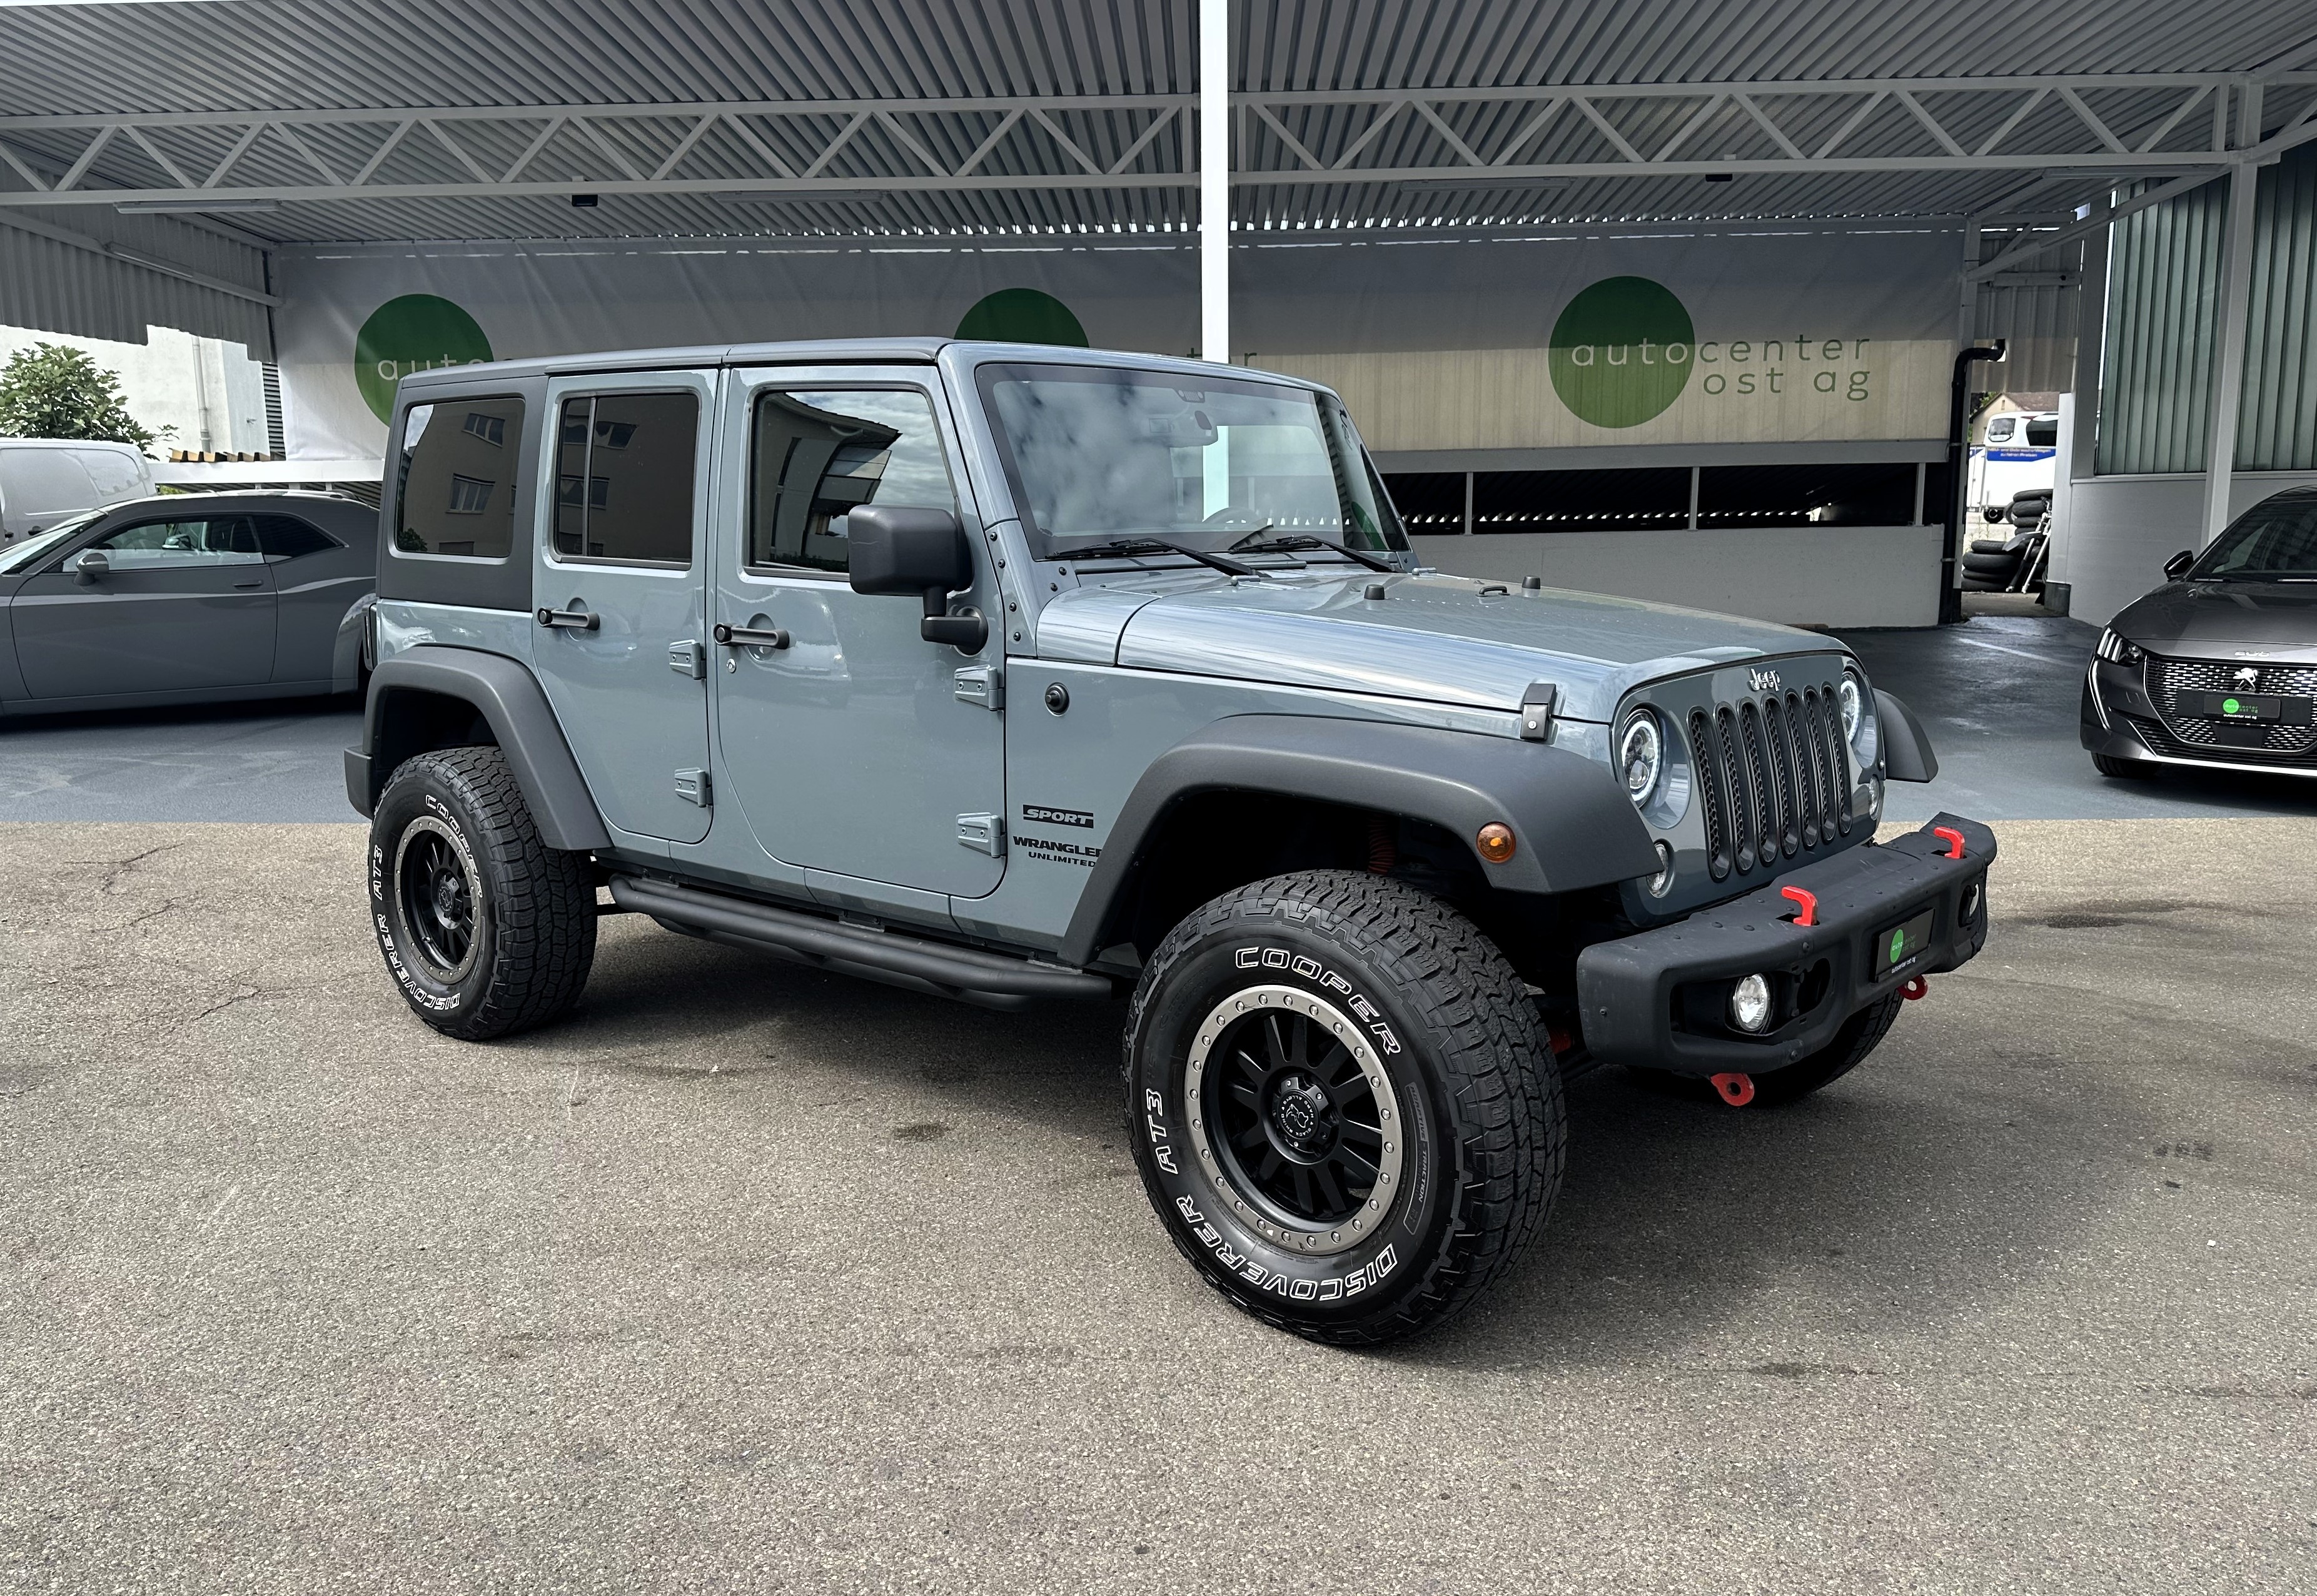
1848	694
1641	755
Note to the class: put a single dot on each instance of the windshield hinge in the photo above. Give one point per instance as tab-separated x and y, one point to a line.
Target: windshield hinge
1536	711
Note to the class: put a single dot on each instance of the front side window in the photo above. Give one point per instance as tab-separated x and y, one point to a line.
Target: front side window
454	484
623	478
217	540
1998	430
1104	453
820	454
2276	540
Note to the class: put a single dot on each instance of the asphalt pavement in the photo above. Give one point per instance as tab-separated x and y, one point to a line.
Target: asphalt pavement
751	1278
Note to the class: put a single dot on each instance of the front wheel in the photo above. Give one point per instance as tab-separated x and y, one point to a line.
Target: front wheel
485	929
1339	1105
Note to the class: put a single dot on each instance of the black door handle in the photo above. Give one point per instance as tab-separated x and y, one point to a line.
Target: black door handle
570	620
750	637
245	586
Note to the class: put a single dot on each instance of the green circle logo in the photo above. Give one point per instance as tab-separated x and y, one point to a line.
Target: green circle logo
1622	352
2229	707
416	333
1022	316
1898	944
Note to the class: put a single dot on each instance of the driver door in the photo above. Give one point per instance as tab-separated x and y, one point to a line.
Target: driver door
185	603
855	747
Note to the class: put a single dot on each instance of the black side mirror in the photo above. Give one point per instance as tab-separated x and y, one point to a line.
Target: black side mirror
2178	566
91	568
896	550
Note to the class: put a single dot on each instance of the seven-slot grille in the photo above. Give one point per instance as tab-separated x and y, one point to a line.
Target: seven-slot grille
1772	778
2168	680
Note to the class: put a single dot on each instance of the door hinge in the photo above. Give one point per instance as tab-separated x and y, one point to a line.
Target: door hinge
983	833
691	786
984	684
689	658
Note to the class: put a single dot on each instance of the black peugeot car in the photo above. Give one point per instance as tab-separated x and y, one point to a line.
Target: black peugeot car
2217	667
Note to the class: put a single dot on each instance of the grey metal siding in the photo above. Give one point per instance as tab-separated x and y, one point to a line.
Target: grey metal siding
2276	430
53	286
2156	387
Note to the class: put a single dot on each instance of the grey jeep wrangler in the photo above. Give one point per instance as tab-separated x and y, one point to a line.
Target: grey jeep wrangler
1015	674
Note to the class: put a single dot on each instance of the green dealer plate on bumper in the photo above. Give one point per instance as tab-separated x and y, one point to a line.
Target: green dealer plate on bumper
1901	942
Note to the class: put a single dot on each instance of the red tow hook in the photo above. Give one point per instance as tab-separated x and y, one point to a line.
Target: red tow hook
1736	1090
1808	900
1916	987
1948	834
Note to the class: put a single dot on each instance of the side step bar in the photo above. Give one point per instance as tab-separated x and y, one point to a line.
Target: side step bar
989	981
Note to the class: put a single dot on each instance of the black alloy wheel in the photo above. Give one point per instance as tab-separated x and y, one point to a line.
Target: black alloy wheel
1305	1127
438	899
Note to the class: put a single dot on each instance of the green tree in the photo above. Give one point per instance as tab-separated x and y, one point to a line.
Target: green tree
51	391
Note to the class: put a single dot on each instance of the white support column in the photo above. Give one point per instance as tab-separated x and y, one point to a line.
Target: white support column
2228	373
1215	180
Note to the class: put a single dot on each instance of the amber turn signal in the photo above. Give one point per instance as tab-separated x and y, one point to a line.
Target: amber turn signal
1495	842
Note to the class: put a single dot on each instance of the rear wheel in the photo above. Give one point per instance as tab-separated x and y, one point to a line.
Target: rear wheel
1340	1105
485	929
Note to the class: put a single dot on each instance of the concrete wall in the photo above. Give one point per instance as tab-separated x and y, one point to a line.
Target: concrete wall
2121	530
1817	576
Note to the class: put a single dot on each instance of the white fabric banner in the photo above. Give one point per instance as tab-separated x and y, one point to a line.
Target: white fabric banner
1551	340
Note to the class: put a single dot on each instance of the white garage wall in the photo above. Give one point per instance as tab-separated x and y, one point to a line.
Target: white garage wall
2121	530
1812	576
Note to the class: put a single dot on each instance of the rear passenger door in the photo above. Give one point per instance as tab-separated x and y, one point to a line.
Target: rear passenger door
618	639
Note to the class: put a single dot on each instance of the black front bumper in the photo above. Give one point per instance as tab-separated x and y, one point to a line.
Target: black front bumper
1660	998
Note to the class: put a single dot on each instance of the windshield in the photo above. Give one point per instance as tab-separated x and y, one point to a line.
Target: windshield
2274	540
22	557
1100	455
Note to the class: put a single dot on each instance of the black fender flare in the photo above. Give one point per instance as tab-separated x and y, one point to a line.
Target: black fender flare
513	704
1572	824
1907	753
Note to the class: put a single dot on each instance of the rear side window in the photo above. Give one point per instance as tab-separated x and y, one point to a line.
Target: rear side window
454	485
115	475
285	537
623	478
2043	434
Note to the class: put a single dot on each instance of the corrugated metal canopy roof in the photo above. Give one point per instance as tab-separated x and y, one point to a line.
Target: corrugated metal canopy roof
780	62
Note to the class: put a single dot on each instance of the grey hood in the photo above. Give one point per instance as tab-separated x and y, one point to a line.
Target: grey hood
2227	620
1442	639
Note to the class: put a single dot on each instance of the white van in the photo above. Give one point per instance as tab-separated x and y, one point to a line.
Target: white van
42	481
2021	454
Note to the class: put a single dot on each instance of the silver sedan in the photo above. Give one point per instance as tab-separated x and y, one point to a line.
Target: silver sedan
189	598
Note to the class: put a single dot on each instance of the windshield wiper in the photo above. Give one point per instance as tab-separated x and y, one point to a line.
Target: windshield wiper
1159	545
1304	540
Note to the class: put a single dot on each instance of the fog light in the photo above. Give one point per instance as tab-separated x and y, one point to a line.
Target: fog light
1749	1004
1661	882
1971	903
